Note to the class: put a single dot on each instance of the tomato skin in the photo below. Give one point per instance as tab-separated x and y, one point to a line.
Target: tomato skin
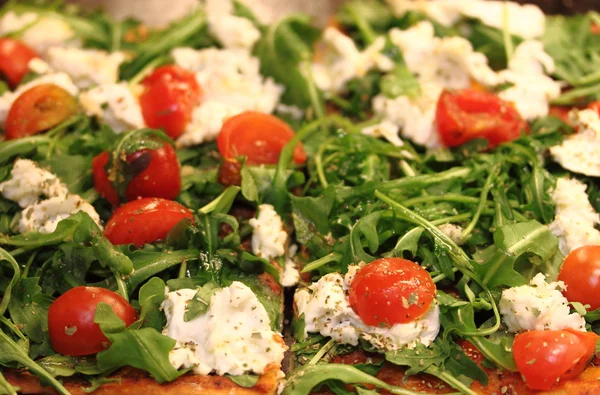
144	221
73	312
258	136
37	109
546	357
391	291
169	97
581	274
561	112
14	60
594	106
161	178
468	114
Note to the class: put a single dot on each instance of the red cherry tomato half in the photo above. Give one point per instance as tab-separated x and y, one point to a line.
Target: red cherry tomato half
14	60
581	274
594	106
547	357
144	221
257	136
71	320
560	112
391	291
468	114
37	109
169	97
160	177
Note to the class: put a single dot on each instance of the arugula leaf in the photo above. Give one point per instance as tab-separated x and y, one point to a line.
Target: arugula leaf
6	387
400	81
245	380
151	296
144	349
149	263
28	309
200	303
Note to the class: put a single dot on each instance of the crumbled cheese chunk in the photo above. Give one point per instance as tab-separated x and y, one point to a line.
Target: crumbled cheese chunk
45	215
232	337
290	275
231	84
538	306
327	311
230	30
41	32
527	21
29	183
115	104
454	232
268	236
579	152
385	129
86	67
575	220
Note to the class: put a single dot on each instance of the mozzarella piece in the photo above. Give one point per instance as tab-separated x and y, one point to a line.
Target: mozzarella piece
232	337
291	275
86	67
60	79
231	84
41	32
230	30
579	152
29	183
538	306
115	104
327	311
45	215
268	236
343	61
575	220
527	21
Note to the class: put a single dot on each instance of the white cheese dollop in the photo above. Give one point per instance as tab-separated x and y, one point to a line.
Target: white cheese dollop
291	274
115	104
327	311
41	32
579	152
575	220
527	21
454	232
29	183
230	30
232	337
538	306
268	235
231	84
86	67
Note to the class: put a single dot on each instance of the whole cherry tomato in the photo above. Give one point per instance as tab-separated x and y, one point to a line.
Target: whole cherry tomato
257	136
468	114
157	175
14	60
546	357
169	97
391	291
71	320
144	221
581	274
38	109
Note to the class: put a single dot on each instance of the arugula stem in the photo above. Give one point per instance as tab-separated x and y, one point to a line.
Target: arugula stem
367	32
508	42
121	286
182	270
28	264
6	257
406	169
450	197
448	378
570	97
442	276
6	387
485	191
319	164
317	263
315	97
13	328
321	353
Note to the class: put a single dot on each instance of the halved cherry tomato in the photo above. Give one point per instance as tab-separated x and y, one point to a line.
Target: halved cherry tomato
391	291
581	274
144	221
468	114
14	60
157	175
594	106
560	112
37	109
258	136
546	357
71	320
169	97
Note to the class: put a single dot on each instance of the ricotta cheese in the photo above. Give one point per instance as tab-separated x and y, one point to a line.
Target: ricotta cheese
232	337
291	275
268	235
538	306
230	30
86	67
579	152
45	215
115	104
231	84
327	311
575	220
30	183
454	232
527	21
